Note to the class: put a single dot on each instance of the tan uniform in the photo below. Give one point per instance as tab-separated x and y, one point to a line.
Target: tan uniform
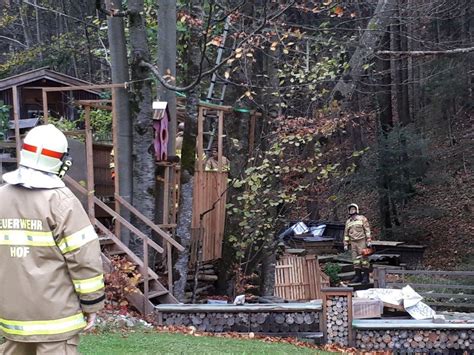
51	269
357	234
212	164
179	143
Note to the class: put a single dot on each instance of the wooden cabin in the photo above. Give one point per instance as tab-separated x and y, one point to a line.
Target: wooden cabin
29	98
26	90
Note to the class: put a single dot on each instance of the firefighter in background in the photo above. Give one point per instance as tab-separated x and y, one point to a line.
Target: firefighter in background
179	139
212	162
112	164
357	234
51	276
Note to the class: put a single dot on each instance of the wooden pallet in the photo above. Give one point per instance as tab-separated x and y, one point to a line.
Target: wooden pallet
299	278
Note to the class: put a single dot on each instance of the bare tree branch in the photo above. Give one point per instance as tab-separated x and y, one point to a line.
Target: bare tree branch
58	13
426	53
201	74
14	41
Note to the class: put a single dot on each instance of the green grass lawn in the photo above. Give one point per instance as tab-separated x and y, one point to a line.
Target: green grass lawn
165	343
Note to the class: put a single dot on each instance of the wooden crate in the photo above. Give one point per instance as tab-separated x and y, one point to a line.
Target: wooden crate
363	308
299	278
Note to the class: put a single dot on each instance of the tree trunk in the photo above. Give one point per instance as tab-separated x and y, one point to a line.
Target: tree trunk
38	30
167	66
368	43
142	113
268	274
123	151
385	117
25	25
188	155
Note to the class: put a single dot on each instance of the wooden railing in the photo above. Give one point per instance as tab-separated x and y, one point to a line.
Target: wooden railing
442	289
147	241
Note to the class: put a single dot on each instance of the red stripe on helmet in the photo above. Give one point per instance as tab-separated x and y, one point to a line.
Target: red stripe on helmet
30	148
46	152
52	153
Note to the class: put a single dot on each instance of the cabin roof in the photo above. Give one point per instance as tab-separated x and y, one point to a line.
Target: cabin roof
43	73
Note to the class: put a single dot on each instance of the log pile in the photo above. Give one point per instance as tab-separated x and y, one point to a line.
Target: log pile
258	322
337	320
415	340
206	279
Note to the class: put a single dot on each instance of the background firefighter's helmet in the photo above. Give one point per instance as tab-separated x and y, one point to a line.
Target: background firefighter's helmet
355	206
43	149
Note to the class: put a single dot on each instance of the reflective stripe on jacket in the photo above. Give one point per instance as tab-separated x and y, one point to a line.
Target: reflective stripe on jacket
50	262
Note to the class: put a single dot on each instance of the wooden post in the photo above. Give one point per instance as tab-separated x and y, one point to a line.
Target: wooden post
166	194
146	286
90	164
16	118
220	133
169	251
252	134
168	175
200	151
45	106
116	171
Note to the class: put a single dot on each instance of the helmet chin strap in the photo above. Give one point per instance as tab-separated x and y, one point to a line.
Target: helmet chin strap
67	163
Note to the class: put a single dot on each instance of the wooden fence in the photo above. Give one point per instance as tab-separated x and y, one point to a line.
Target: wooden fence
299	278
440	289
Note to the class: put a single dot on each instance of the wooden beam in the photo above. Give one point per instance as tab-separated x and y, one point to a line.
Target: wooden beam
116	162
200	151
149	223
85	87
220	133
16	118
45	106
252	134
89	164
110	211
87	102
97	106
122	246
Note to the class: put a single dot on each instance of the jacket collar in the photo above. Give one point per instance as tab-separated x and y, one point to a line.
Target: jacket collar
33	179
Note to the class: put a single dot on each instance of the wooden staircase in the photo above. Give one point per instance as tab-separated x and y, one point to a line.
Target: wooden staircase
150	291
157	292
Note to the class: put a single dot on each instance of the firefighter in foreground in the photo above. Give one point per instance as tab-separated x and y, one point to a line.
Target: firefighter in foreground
357	234
51	273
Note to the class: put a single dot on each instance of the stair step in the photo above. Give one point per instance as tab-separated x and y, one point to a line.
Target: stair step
344	276
115	252
157	294
106	241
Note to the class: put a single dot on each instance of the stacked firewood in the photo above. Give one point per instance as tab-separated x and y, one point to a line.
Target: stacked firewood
337	320
259	322
206	279
415	340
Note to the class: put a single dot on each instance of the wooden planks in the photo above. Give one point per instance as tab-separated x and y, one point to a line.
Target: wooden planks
299	278
209	200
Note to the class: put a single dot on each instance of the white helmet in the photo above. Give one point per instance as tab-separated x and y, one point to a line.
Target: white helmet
355	206
44	148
